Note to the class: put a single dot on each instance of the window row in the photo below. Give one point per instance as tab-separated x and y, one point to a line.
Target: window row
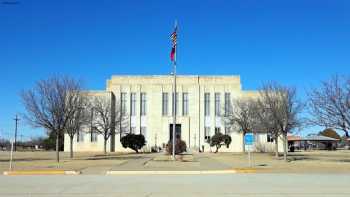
165	104
81	135
184	106
123	103
217	106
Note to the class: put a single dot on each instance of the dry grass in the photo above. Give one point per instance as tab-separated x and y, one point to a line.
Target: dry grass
46	160
298	162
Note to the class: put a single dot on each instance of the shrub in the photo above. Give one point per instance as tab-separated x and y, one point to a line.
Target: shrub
219	139
180	147
133	141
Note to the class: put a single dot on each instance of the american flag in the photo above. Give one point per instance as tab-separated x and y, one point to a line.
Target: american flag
173	38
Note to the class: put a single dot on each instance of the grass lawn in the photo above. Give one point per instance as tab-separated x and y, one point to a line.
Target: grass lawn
47	160
299	162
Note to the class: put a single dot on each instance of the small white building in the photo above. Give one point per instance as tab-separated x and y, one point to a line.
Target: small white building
146	103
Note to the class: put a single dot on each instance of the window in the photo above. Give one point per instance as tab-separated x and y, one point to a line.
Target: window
123	103
217	130
207	104
133	130
133	104
217	104
93	137
143	104
269	137
93	133
165	104
177	103
227	103
80	137
144	131
185	104
207	133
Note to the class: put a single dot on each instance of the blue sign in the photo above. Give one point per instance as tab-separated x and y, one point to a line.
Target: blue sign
249	139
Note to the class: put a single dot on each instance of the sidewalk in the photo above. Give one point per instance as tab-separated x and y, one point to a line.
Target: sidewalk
189	162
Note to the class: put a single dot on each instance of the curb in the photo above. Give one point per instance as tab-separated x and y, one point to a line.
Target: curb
41	172
180	172
246	170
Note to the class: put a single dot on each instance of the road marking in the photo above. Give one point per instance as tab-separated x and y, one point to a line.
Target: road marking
41	172
149	172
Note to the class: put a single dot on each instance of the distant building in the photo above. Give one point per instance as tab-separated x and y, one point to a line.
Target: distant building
313	142
146	104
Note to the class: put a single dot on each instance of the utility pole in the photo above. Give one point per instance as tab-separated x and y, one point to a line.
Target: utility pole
16	120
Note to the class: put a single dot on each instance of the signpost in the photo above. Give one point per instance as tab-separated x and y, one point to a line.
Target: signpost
249	141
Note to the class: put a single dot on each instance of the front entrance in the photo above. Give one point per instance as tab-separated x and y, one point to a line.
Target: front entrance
177	131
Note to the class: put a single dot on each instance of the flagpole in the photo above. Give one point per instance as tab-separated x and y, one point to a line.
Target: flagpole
174	98
174	107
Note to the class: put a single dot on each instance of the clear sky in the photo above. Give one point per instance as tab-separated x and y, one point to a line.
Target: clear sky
295	42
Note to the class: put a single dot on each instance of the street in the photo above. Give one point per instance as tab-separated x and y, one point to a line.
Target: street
311	185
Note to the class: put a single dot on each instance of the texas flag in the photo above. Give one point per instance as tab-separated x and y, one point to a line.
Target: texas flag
173	40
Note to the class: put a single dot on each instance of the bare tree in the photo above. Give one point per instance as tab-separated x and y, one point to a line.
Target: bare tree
265	123
243	115
283	107
48	104
108	117
78	119
329	104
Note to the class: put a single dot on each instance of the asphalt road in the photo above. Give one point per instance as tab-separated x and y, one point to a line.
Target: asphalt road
269	185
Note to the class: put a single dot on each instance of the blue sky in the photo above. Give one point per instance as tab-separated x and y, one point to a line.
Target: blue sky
296	43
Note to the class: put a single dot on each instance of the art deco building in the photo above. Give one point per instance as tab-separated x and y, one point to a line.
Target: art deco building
145	106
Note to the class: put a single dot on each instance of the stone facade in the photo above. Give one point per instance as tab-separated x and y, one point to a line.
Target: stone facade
147	101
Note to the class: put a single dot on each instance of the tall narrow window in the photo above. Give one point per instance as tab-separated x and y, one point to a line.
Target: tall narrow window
177	103
217	104
207	133
185	104
123	103
165	104
227	103
217	130
93	136
133	104
207	104
143	104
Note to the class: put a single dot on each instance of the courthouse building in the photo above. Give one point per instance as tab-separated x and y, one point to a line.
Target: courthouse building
145	102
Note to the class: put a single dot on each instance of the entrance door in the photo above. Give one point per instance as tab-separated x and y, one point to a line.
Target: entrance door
177	131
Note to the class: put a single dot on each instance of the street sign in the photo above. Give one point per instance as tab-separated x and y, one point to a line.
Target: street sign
249	139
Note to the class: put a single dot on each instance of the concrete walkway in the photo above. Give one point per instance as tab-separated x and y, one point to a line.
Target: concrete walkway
156	161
